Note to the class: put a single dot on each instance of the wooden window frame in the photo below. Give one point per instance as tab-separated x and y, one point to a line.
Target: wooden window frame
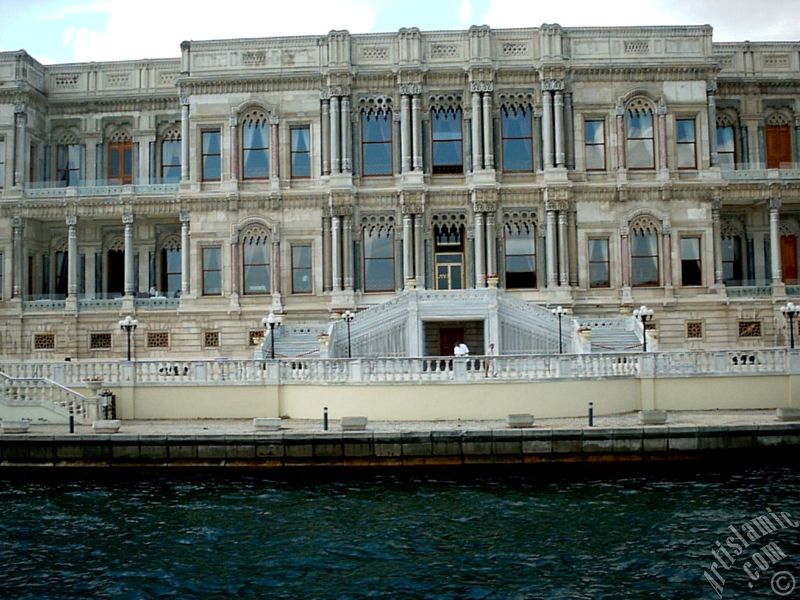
204	154
692	143
205	270
602	145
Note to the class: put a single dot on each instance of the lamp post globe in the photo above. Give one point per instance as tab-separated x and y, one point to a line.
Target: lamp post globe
790	310
645	315
348	318
128	325
559	311
270	322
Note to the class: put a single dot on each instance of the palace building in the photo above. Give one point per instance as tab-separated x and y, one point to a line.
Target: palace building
434	187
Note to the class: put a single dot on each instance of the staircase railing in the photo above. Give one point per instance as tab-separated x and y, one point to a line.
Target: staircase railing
530	328
46	393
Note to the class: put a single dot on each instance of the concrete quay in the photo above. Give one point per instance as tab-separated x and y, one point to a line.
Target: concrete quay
234	443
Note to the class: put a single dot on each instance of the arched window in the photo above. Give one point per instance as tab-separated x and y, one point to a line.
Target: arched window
779	141
171	155
520	252
449	254
170	282
517	130
256	260
255	145
726	143
376	141
68	159
120	157
731	247
446	139
640	146
379	258
644	237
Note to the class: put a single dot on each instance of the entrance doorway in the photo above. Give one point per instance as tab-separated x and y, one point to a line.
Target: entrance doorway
448	338
449	256
789	259
115	273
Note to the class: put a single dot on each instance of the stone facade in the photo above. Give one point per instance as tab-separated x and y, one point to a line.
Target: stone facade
593	168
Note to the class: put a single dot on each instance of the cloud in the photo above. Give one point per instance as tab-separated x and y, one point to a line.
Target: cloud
772	20
156	28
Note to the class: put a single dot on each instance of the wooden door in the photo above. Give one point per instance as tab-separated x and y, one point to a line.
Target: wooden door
448	338
779	146
120	162
789	259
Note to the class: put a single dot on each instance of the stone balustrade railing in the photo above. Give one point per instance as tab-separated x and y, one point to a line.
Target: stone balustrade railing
42	391
529	367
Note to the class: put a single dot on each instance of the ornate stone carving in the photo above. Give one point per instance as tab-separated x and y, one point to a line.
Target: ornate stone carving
412	203
127	219
72	220
410	89
552	85
481	86
184	216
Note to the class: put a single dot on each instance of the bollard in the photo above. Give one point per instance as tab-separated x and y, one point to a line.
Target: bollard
72	423
591	414
325	419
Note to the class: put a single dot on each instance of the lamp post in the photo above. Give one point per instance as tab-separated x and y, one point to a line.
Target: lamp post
645	315
559	312
269	322
128	325
348	318
790	310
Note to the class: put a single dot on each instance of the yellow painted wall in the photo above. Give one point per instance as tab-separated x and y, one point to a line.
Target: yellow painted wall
188	402
468	401
707	393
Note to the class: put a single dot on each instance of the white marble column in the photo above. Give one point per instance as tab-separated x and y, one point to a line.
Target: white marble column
19	259
775	244
491	245
488	137
626	259
336	161
477	146
480	279
347	252
72	256
336	253
326	253
127	220
667	243
563	253
347	136
712	124
235	276
326	137
717	233
185	138
547	129
275	270
408	269
143	158
558	103
416	136
620	118
233	130
550	249
274	151
419	251
20	146
405	133
185	252
662	138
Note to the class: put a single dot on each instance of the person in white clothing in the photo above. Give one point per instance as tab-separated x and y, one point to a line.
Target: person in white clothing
464	349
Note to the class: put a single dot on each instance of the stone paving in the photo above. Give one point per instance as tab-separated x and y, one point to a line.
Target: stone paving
712	418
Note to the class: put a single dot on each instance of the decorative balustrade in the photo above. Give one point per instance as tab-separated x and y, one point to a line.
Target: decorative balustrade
94	188
749	290
523	367
44	392
759	171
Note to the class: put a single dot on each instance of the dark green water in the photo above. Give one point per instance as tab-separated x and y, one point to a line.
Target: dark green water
433	534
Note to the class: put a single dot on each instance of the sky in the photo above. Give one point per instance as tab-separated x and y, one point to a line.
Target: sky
64	31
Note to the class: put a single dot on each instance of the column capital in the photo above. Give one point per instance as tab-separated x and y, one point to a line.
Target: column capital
233	121
16	222
184	101
184	216
552	85
127	219
72	220
711	87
